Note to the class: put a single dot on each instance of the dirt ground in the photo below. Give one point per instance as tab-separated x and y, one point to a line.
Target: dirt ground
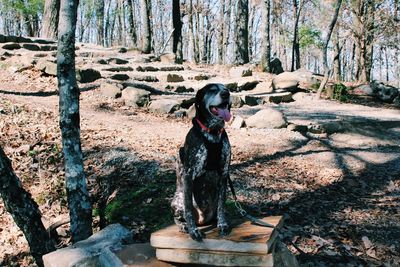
339	193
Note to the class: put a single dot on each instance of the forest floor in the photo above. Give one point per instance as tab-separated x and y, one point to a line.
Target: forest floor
339	193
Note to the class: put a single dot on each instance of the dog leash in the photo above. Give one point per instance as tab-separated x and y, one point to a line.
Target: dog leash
242	212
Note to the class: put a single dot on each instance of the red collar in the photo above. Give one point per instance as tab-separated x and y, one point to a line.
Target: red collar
208	130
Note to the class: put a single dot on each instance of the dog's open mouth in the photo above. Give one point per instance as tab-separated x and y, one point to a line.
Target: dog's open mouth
221	111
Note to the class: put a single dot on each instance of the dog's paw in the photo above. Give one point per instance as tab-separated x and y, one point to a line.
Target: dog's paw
196	234
223	229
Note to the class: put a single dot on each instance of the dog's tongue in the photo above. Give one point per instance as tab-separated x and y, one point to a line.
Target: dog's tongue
224	113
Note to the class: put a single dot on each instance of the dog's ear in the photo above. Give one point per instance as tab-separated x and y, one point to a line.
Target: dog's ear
200	97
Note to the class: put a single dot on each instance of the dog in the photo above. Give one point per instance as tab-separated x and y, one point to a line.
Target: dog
203	165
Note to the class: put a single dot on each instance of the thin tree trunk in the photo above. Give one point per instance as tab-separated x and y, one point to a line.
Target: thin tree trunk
242	33
145	12
100	21
221	28
266	49
24	211
227	29
327	71
177	37
50	19
80	210
295	44
195	53
252	32
132	23
336	59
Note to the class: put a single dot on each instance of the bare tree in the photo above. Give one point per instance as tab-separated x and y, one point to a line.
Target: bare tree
297	7
177	37
50	19
80	210
242	32
145	12
132	23
100	21
266	45
327	71
24	211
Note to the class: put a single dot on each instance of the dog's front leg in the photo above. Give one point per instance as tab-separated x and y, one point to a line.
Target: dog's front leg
226	159
193	231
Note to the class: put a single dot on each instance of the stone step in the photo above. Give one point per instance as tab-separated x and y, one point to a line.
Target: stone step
259	99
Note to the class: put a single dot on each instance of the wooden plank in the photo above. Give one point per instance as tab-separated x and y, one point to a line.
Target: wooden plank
245	237
214	258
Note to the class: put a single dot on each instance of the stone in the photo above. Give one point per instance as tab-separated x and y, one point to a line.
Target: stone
297	128
267	118
87	75
167	58
31	47
117	61
118	69
86	252
48	47
285	81
396	102
147	68
135	97
3	39
110	90
120	77
102	61
247	86
122	50
238	122
51	68
11	46
264	87
240	72
172	68
164	106
253	100
174	78
231	86
386	93
300	96
278	97
146	78
183	89
237	101
276	66
316	128
201	77
191	112
365	89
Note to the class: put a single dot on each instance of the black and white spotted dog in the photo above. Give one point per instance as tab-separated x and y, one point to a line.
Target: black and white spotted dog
203	165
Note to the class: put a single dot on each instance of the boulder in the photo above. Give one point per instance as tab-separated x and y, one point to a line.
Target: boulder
238	122
174	78
135	97
276	66
247	85
278	97
146	68
264	87
297	128
11	46
110	90
237	101
267	118
386	93
120	77
123	50
164	106
201	77
253	100
231	86
51	68
240	72
167	58
31	47
301	96
285	81
86	252
87	75
3	39
365	89
396	101
183	89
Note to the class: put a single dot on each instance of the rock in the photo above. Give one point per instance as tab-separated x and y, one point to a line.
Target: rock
238	122
118	69
365	89
286	81
51	68
240	72
201	77
120	77
110	90
297	128
253	100
237	101
276	66
191	112
146	68
122	50
86	252
302	96
183	89
316	128
267	118
147	78
11	46
174	78
164	106
117	61
3	39
87	75
102	61
48	47
31	47
278	97
247	85
264	87
41	55
172	68
20	63
386	93
188	102
135	97
232	86
396	101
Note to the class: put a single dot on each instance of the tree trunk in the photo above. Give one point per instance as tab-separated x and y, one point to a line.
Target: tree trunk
221	28
100	21
336	60
177	37
296	45
24	211
242	33
227	29
192	33
50	19
145	13
252	31
327	71
80	210
132	23
266	44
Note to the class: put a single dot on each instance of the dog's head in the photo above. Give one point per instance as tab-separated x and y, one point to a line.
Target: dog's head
213	105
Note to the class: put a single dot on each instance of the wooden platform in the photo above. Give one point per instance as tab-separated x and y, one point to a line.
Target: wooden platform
246	245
